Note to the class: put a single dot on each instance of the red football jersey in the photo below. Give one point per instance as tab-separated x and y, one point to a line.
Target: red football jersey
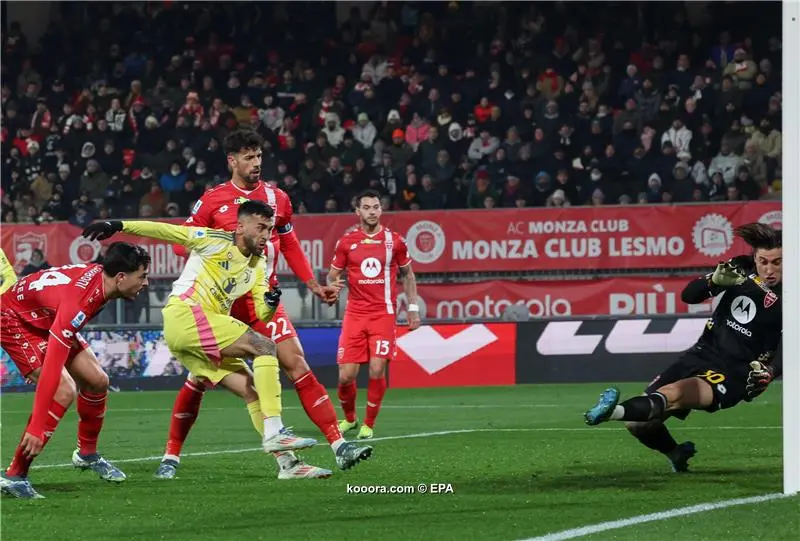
59	299
217	209
371	262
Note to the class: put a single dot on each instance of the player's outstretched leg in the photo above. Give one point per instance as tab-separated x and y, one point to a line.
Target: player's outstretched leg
92	396
266	376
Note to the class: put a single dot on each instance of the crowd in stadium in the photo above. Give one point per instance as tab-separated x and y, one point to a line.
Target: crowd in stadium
435	105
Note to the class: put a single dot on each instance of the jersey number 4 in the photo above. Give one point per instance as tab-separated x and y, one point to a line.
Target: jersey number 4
53	278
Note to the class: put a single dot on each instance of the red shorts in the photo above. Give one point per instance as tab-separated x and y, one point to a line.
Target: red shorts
367	337
280	328
26	345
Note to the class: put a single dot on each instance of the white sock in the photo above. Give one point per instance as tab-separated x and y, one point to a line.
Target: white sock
617	414
176	458
338	443
286	459
272	425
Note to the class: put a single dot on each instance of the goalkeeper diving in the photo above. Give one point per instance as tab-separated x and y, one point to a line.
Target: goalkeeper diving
735	359
198	329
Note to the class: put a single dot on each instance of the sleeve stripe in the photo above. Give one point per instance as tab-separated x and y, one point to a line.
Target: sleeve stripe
59	339
220	235
335	267
407	264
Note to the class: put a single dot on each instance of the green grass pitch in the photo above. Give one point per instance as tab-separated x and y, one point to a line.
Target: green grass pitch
520	462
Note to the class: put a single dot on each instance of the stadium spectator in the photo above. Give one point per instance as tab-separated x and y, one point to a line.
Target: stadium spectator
433	105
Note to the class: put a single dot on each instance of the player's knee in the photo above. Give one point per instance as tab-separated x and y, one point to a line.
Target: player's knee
346	378
377	367
97	383
66	392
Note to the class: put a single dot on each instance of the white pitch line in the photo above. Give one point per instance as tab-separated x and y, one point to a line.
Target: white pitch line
389	406
653	517
413	436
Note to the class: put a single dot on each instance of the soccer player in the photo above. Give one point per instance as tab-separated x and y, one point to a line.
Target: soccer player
206	340
40	319
734	359
217	209
373	256
7	275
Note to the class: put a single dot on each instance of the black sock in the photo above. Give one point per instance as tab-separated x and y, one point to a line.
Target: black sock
657	438
644	408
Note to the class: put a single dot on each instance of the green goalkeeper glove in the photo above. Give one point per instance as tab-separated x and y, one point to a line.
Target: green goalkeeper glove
728	275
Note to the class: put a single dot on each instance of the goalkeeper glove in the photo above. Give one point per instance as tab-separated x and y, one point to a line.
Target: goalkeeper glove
273	298
758	379
102	230
727	275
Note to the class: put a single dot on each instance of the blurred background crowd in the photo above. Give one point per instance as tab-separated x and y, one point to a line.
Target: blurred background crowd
119	110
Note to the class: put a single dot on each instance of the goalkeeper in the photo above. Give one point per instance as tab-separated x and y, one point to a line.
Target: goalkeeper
207	341
735	359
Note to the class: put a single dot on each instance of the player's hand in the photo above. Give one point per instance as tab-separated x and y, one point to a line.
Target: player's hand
273	297
414	321
329	294
31	445
727	274
102	230
758	379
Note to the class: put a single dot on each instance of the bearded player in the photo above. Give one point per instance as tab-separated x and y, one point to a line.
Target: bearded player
373	257
217	209
734	360
39	323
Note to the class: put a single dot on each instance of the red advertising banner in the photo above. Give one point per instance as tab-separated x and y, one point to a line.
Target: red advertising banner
613	237
546	299
455	355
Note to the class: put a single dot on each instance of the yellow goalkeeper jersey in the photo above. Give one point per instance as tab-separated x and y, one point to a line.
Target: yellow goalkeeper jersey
216	272
7	275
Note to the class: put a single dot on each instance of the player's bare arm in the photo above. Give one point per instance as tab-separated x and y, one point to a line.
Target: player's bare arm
409	280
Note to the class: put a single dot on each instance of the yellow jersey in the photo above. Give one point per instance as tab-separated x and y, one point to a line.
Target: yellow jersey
216	272
7	275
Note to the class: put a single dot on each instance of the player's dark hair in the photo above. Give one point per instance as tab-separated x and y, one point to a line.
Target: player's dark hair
365	194
255	208
124	257
242	139
760	236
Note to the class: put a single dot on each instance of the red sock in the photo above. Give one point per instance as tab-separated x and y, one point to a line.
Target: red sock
92	412
318	405
184	414
347	398
375	391
20	464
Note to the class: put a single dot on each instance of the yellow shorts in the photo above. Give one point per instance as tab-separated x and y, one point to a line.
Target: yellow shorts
196	337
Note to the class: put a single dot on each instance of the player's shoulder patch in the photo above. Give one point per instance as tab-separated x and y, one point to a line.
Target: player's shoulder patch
287	228
78	320
199	233
197	206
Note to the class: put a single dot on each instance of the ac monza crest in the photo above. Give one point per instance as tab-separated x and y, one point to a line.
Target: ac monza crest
25	244
770	299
